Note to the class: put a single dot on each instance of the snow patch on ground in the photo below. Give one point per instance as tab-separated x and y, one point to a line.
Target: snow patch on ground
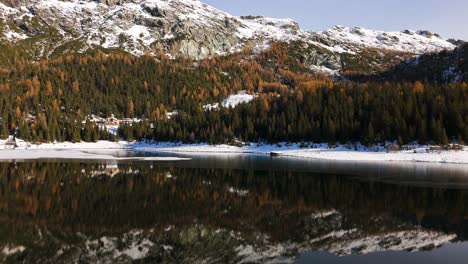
237	191
169	115
271	254
355	153
242	97
113	129
324	69
345	243
136	246
14	36
324	214
316	151
139	249
270	28
7	11
12	250
413	240
68	150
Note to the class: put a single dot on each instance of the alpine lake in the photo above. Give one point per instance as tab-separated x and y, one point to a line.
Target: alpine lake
223	208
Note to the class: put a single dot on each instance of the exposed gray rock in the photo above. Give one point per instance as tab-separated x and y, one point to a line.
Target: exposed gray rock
192	28
112	2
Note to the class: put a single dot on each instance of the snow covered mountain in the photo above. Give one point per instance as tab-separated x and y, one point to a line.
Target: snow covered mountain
53	27
345	39
185	27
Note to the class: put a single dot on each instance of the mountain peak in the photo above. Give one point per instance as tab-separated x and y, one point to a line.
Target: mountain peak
187	27
405	41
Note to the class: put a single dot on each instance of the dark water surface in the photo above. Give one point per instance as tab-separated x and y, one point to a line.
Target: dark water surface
232	209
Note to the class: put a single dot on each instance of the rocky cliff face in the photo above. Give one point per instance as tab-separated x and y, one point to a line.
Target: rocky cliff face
188	27
179	27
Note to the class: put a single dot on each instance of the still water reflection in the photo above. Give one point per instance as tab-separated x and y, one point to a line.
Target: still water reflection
231	209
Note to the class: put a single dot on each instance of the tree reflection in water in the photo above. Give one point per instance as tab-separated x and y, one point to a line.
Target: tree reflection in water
72	211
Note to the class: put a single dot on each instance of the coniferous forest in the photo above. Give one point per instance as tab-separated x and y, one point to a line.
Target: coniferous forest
53	99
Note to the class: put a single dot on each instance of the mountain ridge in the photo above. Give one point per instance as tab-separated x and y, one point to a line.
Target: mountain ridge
194	29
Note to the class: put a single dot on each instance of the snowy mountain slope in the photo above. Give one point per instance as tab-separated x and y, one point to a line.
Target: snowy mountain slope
177	26
345	39
187	27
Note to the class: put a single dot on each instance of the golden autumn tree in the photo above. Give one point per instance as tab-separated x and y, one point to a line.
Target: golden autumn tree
418	87
130	108
49	89
76	86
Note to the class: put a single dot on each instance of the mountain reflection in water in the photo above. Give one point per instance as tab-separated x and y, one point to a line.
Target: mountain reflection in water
224	210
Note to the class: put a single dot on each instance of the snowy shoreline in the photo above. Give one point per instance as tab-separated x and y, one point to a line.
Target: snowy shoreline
357	153
105	150
99	151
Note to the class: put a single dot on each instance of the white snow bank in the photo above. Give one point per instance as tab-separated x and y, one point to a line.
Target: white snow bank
409	240
14	36
8	251
106	150
237	191
34	154
132	245
68	150
242	97
346	242
317	151
323	214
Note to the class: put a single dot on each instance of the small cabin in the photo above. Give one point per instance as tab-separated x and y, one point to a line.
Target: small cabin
112	121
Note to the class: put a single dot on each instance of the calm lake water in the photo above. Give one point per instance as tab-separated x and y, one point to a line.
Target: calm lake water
232	209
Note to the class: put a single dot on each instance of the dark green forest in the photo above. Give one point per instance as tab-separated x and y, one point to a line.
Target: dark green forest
345	112
51	100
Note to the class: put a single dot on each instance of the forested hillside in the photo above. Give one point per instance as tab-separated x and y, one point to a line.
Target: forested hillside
52	100
334	112
443	67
